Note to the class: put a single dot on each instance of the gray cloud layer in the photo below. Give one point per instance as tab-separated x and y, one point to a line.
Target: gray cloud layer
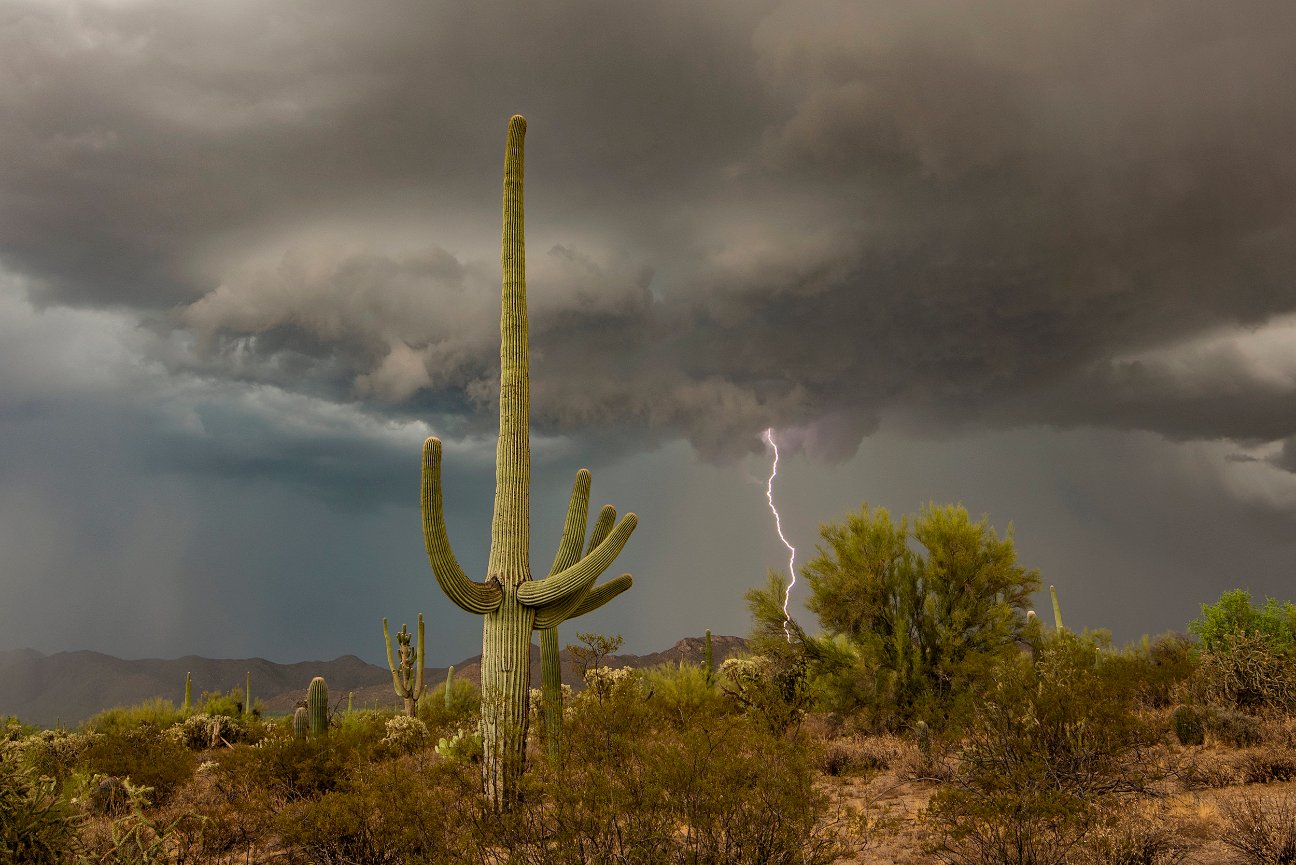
799	214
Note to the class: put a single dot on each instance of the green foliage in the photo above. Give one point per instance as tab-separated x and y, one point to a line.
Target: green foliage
1234	614
907	634
1051	746
37	827
683	693
451	708
156	713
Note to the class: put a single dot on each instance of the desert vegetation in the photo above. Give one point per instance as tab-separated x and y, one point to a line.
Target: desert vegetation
928	715
997	741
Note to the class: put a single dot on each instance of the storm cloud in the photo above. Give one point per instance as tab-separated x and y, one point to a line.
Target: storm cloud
264	239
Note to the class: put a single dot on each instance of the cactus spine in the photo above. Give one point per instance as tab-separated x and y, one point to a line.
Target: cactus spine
188	704
1057	610
301	723
449	682
510	602
407	677
317	707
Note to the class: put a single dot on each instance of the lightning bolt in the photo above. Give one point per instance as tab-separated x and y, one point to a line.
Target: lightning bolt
778	526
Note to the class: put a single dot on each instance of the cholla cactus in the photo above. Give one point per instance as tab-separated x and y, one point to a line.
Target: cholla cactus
405	734
407	677
602	683
511	602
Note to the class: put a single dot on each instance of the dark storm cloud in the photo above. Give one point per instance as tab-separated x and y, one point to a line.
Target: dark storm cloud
813	215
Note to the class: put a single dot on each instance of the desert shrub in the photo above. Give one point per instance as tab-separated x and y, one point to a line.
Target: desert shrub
1189	725
1262	830
847	755
53	753
1280	730
1247	671
202	731
1172	662
1138	835
360	733
1235	614
146	755
635	785
1212	771
216	703
37	827
464	705
1053	745
286	768
407	810
156	713
1267	764
683	693
1233	728
773	688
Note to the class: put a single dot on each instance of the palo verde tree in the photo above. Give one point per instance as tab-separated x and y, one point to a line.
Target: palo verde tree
907	627
510	602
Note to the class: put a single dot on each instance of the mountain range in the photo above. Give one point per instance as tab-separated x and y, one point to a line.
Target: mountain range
66	688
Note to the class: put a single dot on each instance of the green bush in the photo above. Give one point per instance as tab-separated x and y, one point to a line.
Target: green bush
1235	614
156	713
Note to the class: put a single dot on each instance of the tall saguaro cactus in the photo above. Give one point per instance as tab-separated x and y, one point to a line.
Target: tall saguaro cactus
407	677
510	602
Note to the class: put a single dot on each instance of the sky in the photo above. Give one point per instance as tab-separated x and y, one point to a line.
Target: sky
1037	257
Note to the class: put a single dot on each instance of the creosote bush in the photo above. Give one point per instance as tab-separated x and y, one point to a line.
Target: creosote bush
1055	743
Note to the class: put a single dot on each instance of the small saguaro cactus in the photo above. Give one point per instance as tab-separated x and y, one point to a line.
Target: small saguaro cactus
407	676
1057	610
317	707
449	682
247	697
511	603
709	659
188	704
301	722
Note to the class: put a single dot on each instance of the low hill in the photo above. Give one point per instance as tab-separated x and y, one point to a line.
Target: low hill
69	687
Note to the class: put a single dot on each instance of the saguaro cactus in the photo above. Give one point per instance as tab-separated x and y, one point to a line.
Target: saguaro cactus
509	601
407	677
188	692
449	682
317	707
301	723
247	697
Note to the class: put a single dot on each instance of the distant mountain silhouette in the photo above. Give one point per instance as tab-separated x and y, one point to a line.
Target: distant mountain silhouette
69	687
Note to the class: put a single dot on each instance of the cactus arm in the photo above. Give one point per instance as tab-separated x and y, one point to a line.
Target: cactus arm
600	595
578	604
606	517
471	596
418	675
573	536
579	576
391	661
1057	610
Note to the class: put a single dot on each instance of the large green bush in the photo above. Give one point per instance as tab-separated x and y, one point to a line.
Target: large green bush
908	635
